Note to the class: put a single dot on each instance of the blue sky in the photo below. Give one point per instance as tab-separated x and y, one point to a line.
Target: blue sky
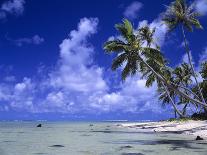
53	66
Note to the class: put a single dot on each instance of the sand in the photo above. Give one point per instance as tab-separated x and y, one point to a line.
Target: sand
195	128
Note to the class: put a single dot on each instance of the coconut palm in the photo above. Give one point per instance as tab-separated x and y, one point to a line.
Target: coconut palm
180	14
135	57
204	70
131	51
146	34
203	84
182	76
168	96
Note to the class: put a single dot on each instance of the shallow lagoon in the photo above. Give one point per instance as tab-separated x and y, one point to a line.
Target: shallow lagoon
78	138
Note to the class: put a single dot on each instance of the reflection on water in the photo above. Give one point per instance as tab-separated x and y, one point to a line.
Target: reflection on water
64	138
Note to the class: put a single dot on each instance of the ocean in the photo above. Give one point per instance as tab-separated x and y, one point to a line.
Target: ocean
91	138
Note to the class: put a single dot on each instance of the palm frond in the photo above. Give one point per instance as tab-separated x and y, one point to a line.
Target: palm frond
115	46
118	61
125	29
179	12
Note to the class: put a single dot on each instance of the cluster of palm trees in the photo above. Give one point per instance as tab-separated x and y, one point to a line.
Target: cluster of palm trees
138	52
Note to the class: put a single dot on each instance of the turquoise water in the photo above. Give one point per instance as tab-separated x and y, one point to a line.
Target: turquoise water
67	138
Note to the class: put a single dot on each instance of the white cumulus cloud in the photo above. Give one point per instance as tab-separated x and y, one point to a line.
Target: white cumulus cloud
77	85
132	10
13	7
201	6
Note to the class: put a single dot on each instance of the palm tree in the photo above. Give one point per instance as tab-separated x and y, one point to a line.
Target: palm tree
179	13
182	76
203	84
168	96
146	34
130	51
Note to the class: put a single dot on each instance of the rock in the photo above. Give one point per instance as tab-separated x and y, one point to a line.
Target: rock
126	147
39	125
57	146
91	125
199	138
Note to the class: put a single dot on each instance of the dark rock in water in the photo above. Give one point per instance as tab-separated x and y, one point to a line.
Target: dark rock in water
126	147
199	138
57	146
91	125
39	125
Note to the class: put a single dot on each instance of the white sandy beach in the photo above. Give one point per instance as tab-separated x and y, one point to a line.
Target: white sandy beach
195	128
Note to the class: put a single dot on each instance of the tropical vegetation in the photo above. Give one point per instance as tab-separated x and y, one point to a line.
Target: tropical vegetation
137	51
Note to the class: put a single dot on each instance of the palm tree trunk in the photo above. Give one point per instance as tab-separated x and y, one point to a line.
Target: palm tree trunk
175	114
174	109
191	64
170	86
172	101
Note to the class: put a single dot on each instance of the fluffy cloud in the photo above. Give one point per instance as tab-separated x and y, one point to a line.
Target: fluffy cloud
132	97
132	10
35	40
201	6
203	56
76	72
77	85
13	7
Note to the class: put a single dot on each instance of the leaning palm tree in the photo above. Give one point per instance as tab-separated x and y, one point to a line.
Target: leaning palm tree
130	50
203	84
167	96
136	57
182	76
180	14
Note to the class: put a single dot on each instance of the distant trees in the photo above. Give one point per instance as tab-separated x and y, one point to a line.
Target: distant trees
138	52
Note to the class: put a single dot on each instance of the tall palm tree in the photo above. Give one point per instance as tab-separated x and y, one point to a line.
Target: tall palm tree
203	84
179	13
182	76
130	51
169	96
146	34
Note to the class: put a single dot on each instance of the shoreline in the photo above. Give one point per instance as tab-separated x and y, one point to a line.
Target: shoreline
191	127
